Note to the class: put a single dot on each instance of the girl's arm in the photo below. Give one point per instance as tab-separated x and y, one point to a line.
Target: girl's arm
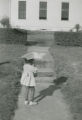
35	69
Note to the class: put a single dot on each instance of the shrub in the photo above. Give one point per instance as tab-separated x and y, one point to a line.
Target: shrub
68	38
77	27
5	22
12	36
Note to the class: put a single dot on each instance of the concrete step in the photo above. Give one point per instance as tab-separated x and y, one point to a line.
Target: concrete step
38	48
45	65
42	51
41	38
45	70
45	74
45	79
40	35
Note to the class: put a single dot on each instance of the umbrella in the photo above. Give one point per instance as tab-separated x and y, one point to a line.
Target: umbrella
34	55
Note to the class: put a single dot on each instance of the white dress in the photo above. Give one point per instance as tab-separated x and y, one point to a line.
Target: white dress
28	78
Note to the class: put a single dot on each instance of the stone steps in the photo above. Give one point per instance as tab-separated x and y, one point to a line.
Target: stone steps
45	70
46	65
40	35
38	48
43	38
42	72
45	79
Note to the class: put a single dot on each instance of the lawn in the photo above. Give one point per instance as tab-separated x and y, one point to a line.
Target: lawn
68	63
9	90
10	63
10	52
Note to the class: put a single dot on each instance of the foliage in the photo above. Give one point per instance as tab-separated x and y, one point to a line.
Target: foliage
5	22
77	27
11	36
68	38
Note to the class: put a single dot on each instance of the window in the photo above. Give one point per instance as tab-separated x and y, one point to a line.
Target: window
65	11
43	10
22	10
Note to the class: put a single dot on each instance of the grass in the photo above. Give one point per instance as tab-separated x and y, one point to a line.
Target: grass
72	91
10	52
9	89
68	63
10	78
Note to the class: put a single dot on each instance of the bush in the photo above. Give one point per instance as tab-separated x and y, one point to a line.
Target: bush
11	36
68	38
5	22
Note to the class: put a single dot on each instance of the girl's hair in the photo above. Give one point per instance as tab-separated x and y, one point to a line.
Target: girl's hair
31	61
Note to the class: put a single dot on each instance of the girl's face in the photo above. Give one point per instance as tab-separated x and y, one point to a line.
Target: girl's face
32	61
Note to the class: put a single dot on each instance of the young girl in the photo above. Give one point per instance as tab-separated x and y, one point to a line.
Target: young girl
28	80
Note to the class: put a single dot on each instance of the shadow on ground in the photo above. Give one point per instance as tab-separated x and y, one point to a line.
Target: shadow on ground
51	89
6	62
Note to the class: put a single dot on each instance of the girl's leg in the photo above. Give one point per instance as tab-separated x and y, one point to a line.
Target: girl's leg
31	95
26	93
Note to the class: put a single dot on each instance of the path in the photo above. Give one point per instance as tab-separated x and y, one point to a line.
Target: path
51	107
45	65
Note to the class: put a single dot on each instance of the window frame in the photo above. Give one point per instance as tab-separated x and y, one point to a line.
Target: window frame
44	9
22	14
65	11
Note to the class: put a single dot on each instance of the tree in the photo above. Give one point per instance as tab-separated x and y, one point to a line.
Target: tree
77	27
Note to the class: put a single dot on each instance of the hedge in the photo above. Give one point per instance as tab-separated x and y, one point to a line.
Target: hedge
68	38
12	36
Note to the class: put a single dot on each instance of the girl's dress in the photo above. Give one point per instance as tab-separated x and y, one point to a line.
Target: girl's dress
27	78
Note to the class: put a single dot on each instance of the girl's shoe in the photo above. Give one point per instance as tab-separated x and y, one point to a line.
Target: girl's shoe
33	103
26	102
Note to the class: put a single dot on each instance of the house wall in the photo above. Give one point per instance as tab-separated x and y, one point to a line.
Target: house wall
4	8
53	21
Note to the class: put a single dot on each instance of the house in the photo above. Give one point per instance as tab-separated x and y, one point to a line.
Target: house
50	15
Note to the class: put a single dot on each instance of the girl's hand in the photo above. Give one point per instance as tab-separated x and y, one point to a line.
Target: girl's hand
35	70
35	74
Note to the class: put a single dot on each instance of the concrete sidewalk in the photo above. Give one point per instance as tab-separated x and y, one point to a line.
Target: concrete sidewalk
52	105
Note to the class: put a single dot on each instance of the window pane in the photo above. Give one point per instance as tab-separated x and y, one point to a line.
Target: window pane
65	15
22	10
65	5
43	5
43	14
